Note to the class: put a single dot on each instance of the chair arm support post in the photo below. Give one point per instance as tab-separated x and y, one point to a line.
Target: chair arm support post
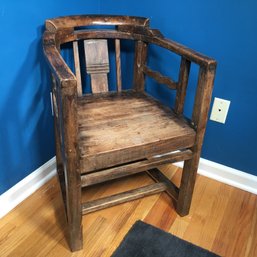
202	101
69	106
182	85
139	62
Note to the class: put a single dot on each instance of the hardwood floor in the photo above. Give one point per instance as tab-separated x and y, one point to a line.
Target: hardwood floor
222	219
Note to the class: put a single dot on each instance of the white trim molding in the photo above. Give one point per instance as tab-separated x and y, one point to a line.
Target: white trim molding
227	175
15	195
19	192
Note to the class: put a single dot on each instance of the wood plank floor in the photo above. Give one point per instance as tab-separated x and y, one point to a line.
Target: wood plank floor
222	219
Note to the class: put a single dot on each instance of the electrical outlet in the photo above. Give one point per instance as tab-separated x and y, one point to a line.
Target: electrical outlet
219	110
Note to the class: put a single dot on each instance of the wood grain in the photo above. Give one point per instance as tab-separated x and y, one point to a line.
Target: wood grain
133	168
158	176
160	78
97	64
151	129
77	67
87	20
141	30
199	119
118	65
182	85
122	197
222	219
72	172
140	60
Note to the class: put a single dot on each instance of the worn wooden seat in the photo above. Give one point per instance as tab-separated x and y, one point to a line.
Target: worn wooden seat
129	126
103	135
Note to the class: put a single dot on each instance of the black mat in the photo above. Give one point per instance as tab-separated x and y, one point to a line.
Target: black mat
144	240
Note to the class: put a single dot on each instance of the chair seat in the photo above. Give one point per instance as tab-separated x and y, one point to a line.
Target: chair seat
116	128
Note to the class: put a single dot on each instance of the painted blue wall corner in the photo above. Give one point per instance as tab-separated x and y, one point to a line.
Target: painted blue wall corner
26	128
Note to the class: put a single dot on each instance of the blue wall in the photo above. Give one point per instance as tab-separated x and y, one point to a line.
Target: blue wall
224	29
26	126
227	31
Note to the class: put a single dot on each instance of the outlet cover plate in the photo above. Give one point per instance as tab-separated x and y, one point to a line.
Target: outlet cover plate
219	110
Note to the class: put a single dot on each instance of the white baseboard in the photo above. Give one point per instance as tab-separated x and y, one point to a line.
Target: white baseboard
36	179
19	192
227	175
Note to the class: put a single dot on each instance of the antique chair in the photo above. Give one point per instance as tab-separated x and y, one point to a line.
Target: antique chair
104	135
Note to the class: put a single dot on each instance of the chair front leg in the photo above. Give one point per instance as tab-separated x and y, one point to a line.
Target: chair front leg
74	212
187	185
72	173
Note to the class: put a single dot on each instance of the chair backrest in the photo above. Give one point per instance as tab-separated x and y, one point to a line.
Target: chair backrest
94	47
97	64
93	43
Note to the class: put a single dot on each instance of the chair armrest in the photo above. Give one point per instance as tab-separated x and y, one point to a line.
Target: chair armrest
64	95
205	83
184	51
59	68
204	87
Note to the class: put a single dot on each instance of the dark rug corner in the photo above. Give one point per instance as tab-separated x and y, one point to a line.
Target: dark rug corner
144	240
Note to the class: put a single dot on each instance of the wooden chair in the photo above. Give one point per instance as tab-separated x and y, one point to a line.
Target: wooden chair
105	135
